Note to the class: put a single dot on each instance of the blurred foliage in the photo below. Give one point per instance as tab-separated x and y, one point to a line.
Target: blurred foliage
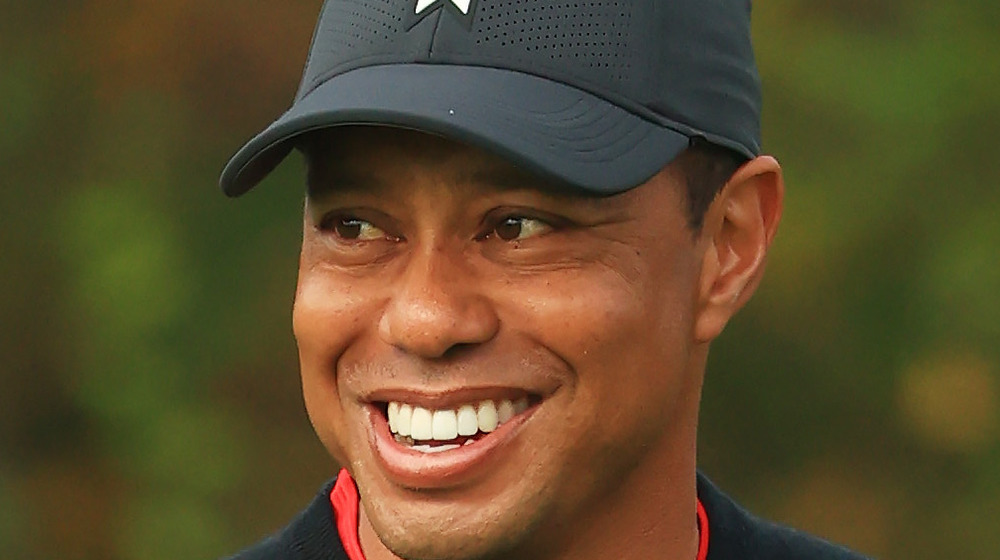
150	404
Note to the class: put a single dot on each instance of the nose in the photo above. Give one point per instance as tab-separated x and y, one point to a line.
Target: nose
436	307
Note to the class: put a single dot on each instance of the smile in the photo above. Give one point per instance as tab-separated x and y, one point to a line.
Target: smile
434	431
438	441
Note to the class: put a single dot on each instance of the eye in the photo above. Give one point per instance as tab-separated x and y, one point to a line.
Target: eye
514	228
354	229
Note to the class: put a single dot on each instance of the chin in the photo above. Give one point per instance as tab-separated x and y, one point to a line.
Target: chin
466	543
451	532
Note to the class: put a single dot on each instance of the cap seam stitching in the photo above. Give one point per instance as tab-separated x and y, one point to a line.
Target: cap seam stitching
437	26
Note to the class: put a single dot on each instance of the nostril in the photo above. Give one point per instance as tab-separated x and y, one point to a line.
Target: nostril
459	349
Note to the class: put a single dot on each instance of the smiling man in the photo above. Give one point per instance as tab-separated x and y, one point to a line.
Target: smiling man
525	224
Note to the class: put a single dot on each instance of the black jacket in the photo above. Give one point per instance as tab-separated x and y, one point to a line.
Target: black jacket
734	534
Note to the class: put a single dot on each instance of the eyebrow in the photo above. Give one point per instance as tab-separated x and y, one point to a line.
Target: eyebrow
504	177
512	178
320	183
498	177
339	180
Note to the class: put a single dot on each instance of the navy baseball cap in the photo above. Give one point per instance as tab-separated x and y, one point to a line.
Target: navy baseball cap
598	94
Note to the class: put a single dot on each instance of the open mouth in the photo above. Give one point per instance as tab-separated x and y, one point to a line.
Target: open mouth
445	440
436	430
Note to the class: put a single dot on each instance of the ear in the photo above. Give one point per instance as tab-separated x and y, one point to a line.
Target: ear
737	232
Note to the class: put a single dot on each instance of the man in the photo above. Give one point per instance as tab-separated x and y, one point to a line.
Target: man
525	223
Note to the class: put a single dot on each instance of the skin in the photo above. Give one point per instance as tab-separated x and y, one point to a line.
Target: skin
605	306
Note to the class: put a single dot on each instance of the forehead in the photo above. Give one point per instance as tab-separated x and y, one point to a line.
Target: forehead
355	157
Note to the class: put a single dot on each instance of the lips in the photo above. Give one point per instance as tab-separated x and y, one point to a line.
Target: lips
436	441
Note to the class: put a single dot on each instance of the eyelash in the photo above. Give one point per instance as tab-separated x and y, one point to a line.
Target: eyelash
514	220
335	224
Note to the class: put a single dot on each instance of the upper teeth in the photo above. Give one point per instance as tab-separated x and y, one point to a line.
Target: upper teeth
447	424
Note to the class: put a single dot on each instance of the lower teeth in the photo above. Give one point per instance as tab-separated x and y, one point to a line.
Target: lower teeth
428	448
435	448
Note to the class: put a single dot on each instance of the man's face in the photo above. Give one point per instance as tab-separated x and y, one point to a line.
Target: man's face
439	281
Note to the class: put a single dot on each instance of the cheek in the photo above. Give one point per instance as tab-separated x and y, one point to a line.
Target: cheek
626	342
603	319
326	317
617	332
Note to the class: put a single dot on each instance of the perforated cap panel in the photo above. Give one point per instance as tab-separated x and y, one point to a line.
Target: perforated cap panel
584	40
350	31
590	34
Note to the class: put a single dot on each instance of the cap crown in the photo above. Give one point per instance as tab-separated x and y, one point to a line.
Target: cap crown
683	64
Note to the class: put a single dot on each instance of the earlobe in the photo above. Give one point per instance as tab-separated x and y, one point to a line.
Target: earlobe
738	230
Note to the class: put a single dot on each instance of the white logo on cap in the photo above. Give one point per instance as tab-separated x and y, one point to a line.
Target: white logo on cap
462	5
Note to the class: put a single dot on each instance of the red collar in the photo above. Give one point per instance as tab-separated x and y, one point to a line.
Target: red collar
344	498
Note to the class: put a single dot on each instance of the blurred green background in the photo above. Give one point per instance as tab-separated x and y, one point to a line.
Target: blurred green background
149	404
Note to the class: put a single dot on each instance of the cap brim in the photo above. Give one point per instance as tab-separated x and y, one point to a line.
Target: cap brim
547	127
